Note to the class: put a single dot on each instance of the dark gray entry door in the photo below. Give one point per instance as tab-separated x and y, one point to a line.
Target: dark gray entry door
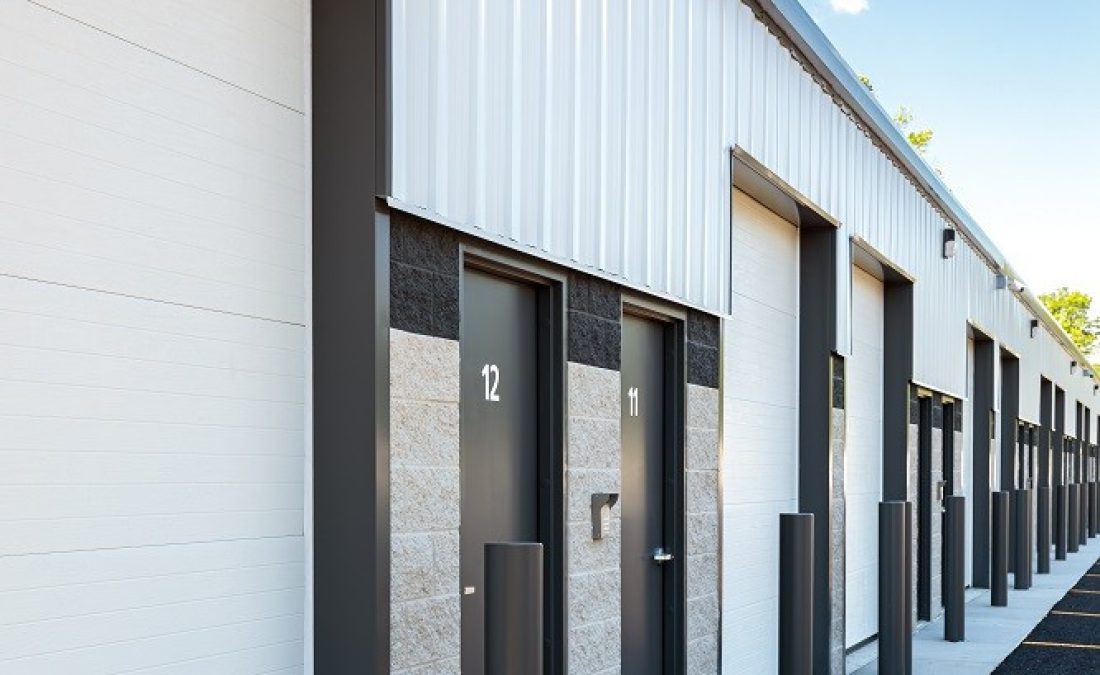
499	432
643	495
925	506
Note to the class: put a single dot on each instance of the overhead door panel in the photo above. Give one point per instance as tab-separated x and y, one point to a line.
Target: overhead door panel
760	427
863	459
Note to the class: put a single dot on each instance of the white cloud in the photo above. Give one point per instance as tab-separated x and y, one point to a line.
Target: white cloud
849	6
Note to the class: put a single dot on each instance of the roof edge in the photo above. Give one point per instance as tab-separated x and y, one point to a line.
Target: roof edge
798	27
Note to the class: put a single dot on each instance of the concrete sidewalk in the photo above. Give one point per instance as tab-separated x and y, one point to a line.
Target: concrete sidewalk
991	632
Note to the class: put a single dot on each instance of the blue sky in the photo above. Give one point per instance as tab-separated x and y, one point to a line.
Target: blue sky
1012	91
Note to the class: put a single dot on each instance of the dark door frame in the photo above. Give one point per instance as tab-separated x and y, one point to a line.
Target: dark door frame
925	504
984	423
949	407
675	511
551	289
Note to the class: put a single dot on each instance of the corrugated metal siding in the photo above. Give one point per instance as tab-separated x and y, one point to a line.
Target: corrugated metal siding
788	122
599	133
151	311
592	131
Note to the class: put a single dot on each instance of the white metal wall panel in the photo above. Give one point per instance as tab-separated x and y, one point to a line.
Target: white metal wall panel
760	423
863	459
151	326
789	123
592	132
599	134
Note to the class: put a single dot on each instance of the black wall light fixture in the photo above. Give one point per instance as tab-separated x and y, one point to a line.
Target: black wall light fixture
949	242
1034	328
1072	367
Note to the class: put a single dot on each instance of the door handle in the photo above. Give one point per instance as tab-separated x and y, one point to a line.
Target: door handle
661	556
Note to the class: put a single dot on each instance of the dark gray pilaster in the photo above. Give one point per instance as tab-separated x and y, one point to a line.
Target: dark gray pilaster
1010	413
897	374
351	132
819	476
983	432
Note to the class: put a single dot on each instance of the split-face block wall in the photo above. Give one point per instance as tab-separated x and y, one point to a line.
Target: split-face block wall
589	581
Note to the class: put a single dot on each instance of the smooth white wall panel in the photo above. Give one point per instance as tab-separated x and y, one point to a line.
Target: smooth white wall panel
173	193
252	44
152	243
760	425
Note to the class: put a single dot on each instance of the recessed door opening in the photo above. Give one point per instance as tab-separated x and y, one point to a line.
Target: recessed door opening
653	553
510	449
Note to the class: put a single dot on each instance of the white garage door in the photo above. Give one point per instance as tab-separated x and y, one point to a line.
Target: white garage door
760	428
968	460
863	459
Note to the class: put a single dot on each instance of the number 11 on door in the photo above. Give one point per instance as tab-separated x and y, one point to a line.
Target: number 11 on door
632	394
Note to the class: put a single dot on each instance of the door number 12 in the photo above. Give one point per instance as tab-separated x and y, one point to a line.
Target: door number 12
632	394
492	378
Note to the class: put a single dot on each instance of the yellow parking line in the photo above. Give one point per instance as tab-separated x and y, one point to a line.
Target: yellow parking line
1065	613
1078	590
1029	643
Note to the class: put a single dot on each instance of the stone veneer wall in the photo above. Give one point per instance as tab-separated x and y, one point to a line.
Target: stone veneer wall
425	614
702	498
425	610
593	459
838	514
595	574
426	623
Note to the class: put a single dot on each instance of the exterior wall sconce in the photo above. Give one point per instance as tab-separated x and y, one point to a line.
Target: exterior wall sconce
1095	388
949	243
1013	285
1072	367
1034	328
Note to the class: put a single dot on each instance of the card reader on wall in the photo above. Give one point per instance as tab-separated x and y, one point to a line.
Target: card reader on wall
601	513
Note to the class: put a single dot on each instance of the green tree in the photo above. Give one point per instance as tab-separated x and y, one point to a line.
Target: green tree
918	138
1072	310
903	118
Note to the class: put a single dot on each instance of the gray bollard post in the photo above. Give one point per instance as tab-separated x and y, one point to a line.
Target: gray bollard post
796	593
1094	520
1083	517
1022	548
998	582
1073	528
1042	544
895	617
955	574
513	608
1061	520
1092	508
